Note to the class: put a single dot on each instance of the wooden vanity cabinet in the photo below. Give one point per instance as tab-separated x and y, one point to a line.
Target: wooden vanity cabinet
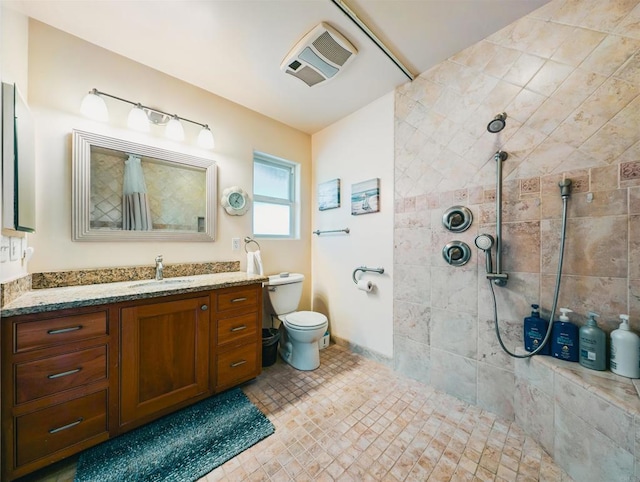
164	351
74	378
237	336
56	386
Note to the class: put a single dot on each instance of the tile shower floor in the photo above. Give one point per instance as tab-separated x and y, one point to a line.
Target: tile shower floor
353	419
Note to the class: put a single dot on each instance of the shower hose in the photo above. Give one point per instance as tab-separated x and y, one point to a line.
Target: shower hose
555	294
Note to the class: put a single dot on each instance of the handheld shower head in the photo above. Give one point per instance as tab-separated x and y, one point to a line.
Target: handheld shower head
498	123
485	243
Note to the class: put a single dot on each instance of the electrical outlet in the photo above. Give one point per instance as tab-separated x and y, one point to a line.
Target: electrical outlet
4	250
14	249
235	244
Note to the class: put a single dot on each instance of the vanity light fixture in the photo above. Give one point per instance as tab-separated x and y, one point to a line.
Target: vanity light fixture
138	119
94	107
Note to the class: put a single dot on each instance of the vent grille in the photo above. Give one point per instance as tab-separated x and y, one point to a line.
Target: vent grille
327	46
307	75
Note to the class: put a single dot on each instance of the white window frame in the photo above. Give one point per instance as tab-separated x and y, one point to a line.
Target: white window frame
294	194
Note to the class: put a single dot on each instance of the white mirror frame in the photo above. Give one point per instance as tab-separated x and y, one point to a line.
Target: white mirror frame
81	190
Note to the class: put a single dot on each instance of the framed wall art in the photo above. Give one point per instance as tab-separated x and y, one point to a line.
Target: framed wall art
329	195
365	197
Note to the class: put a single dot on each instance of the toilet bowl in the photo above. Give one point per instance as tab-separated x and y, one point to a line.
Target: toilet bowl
300	331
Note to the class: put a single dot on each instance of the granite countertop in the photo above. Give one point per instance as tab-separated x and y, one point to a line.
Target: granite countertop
50	299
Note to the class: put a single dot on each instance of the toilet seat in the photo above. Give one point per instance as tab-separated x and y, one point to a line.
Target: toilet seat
305	320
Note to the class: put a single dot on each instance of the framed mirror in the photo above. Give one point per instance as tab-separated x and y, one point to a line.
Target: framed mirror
124	191
18	162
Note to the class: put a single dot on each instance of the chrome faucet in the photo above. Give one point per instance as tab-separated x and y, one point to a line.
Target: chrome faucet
159	267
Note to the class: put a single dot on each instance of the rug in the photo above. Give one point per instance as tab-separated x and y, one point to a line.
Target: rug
182	446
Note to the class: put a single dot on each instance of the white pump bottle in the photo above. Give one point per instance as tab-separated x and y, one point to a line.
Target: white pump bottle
625	350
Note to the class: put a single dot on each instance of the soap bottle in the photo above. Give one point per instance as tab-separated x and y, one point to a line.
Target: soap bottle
625	350
564	338
535	329
593	344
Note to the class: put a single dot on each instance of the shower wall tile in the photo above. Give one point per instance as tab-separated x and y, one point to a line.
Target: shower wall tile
412	321
495	390
578	86
634	246
610	54
454	332
587	454
604	178
412	358
606	296
534	412
456	289
594	246
612	421
454	374
412	284
634	304
603	203
634	200
521	248
536	375
514	303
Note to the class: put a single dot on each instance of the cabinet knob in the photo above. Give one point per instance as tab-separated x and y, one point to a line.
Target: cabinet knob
204	307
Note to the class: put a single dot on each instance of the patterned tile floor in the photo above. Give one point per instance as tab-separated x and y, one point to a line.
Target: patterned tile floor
353	419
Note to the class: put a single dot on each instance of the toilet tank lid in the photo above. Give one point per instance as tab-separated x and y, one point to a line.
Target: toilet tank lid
285	278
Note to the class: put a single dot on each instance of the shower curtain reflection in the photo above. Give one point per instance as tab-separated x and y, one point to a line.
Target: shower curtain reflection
136	214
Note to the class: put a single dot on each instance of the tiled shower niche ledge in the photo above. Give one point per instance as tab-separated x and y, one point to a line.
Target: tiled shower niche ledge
588	420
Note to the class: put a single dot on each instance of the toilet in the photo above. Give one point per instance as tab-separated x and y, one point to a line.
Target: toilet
300	331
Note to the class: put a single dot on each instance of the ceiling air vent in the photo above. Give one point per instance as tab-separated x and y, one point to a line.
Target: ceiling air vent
319	56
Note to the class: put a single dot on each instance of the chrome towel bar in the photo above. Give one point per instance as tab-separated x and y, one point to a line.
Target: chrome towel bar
318	232
248	240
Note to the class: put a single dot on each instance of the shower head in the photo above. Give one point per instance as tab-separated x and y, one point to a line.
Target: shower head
485	243
498	123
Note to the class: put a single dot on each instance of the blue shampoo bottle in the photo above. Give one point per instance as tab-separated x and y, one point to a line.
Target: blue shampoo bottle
535	329
564	338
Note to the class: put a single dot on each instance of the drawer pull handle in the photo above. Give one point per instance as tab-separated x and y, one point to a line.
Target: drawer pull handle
237	300
238	363
65	427
64	330
239	328
64	374
204	307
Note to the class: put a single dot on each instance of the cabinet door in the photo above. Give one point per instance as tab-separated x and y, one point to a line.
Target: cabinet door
164	357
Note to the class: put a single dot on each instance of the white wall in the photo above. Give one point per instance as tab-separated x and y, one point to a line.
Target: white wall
14	45
62	70
356	148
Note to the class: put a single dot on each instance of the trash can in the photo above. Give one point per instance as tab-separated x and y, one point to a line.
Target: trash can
270	338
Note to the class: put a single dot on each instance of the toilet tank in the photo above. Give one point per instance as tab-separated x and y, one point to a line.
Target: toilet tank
285	292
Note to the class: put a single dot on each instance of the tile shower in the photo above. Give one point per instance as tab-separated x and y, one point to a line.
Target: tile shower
568	76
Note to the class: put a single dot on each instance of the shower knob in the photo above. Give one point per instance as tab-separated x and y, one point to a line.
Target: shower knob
456	253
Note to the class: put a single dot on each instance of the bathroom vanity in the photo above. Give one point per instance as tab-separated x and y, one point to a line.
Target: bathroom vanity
76	373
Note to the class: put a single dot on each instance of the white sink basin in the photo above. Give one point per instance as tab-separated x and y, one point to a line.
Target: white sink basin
154	283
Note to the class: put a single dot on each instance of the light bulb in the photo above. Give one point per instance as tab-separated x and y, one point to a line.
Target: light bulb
138	119
93	106
205	138
174	129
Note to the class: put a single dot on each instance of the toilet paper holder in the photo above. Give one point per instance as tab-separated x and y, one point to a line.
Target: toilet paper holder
363	269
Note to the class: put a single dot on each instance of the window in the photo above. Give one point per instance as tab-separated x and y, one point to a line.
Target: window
275	185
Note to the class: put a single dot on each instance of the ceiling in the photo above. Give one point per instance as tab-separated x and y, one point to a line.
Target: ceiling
233	48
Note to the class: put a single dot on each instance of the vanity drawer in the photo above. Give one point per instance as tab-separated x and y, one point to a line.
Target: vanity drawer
41	433
237	327
237	365
56	331
236	298
39	378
